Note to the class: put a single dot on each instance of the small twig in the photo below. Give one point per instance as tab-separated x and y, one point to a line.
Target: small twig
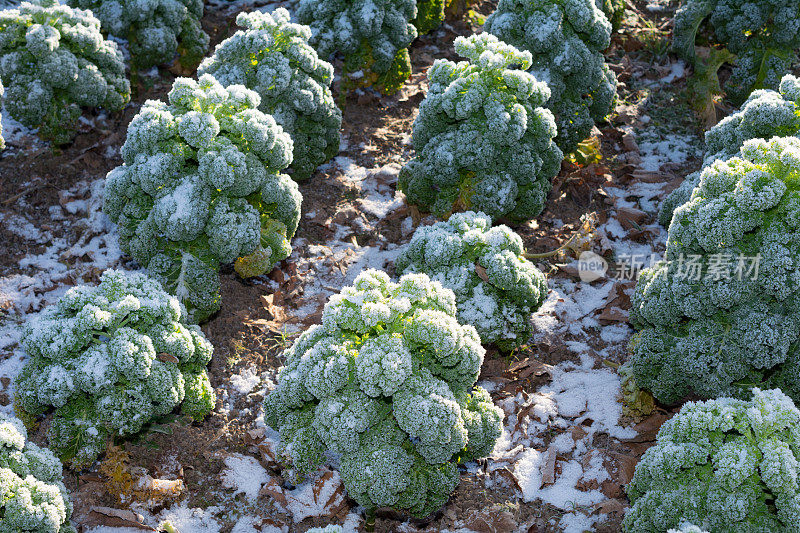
19	195
528	255
83	152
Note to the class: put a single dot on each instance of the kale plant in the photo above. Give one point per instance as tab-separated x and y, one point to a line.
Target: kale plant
726	464
762	35
483	142
156	30
272	57
54	61
107	360
566	39
33	498
372	36
765	114
496	288
386	384
201	186
720	314
430	15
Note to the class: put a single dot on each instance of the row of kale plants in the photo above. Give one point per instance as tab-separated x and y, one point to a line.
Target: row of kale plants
386	383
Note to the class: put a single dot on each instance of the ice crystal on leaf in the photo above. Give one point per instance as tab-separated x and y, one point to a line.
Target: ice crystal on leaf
156	30
496	288
483	141
33	497
719	314
566	39
765	114
725	464
272	57
763	35
386	383
109	359
54	61
372	35
201	186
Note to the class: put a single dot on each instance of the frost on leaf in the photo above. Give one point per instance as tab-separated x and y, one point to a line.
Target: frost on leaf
762	35
475	114
718	313
272	57
373	37
95	361
34	498
725	464
496	288
156	30
566	39
386	382
54	62
765	114
201	186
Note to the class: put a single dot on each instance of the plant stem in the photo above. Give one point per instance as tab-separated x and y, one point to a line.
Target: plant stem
369	522
551	253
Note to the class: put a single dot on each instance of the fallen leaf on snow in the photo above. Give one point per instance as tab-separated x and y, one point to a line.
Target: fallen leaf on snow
109	517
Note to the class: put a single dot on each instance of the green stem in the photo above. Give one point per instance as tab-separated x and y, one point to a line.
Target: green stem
369	522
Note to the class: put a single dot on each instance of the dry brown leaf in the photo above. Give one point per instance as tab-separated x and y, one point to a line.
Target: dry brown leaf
613	506
549	467
578	433
648	428
629	143
128	483
506	474
255	435
167	358
110	517
481	272
492	520
268	454
649	176
631	218
626	464
526	367
274	490
613	314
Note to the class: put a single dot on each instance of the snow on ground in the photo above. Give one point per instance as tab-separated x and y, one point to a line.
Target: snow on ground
323	269
579	403
670	148
86	246
245	475
15	134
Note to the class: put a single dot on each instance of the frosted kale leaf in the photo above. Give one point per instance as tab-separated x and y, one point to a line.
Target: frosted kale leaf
566	39
765	114
614	10
34	498
373	38
721	465
201	186
762	34
54	62
107	360
719	314
272	57
156	30
496	288
386	382
483	141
